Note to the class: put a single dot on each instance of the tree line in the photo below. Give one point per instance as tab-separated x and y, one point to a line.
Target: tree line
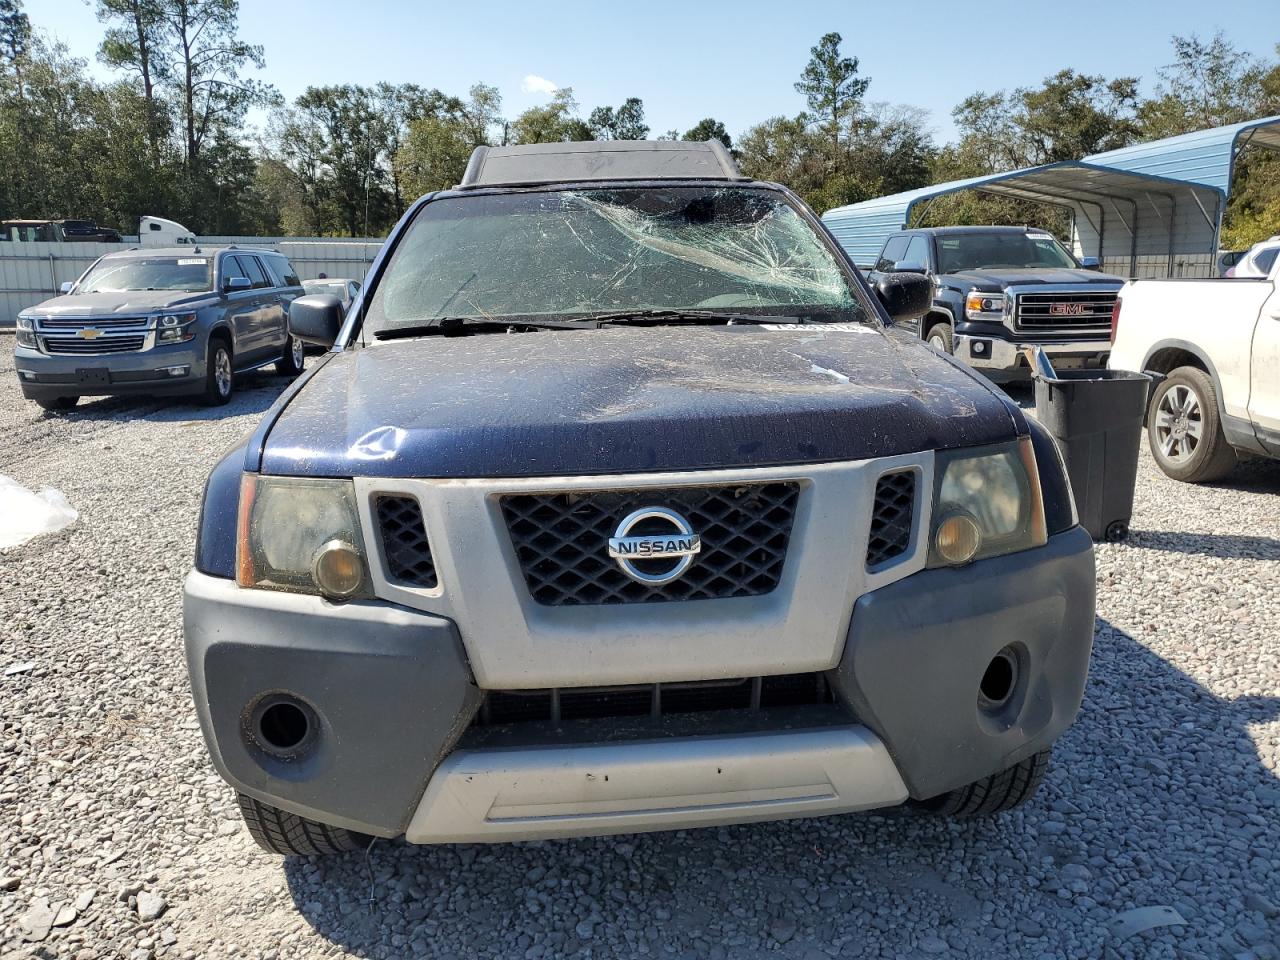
167	135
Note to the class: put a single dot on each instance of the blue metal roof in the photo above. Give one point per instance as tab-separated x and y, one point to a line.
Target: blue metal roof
1206	156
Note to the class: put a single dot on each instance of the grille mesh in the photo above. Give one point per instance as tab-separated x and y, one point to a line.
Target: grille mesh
104	344
404	542
891	520
561	541
653	700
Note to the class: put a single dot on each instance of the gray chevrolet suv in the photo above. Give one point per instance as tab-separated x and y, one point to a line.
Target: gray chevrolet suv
158	321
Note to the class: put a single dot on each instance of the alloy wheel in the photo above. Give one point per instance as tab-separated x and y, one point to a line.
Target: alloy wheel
1179	424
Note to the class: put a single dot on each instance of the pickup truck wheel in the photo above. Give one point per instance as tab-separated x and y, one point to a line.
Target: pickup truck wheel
940	337
58	403
292	836
294	358
1184	430
996	793
219	376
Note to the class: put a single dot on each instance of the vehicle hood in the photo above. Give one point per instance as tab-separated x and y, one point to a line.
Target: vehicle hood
1003	278
620	400
112	304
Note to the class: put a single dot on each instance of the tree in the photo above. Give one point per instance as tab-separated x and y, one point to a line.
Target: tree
1070	115
625	123
708	129
1209	84
832	87
555	123
15	31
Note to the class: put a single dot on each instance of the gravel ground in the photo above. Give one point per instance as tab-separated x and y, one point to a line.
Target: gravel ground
116	831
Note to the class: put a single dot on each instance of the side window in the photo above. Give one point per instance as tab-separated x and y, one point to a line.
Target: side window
918	251
154	227
892	253
1266	259
254	271
289	275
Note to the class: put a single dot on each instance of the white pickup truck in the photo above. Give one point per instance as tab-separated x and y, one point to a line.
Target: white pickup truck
1218	344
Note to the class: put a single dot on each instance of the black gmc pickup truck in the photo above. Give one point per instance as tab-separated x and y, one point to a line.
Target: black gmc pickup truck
996	288
617	503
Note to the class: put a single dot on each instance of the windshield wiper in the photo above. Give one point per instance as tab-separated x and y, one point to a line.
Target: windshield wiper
450	325
655	317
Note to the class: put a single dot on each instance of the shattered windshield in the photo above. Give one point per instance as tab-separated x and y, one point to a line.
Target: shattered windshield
1012	251
579	253
191	274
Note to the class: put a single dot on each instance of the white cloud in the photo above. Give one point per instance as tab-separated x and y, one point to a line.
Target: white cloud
536	84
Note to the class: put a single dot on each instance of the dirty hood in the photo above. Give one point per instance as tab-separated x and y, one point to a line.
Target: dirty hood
122	303
621	400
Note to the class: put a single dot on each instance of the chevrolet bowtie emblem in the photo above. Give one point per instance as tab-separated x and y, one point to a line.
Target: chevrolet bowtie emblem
88	333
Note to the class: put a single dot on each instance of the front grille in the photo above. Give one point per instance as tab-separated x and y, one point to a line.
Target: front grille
501	707
1035	311
73	346
561	540
891	518
404	541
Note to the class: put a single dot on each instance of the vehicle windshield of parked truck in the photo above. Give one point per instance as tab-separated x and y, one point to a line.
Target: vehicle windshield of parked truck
611	251
960	252
192	274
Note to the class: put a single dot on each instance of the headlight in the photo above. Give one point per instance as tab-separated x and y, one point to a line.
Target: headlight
301	535
987	503
26	332
175	327
984	306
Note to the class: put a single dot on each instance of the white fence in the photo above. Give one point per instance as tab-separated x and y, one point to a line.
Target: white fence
31	272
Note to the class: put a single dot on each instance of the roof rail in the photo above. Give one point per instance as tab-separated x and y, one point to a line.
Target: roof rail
598	160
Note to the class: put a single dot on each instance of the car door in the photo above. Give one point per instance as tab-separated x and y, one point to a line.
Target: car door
276	297
1264	365
241	309
267	323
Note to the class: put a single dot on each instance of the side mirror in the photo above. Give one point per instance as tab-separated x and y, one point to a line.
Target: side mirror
905	296
909	266
1091	263
236	284
316	319
65	287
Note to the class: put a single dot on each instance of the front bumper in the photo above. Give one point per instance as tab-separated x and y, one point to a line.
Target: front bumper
393	692
43	375
1000	359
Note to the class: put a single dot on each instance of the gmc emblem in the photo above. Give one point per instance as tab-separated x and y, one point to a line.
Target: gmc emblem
1066	309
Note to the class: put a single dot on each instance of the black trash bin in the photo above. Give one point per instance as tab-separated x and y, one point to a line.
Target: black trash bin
1096	417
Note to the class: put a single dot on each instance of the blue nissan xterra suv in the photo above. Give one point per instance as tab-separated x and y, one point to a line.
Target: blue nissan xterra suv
619	504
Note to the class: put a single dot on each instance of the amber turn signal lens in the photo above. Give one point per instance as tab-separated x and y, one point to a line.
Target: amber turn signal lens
338	570
958	539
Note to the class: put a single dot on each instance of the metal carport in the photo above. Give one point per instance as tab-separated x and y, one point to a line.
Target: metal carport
1137	224
1206	156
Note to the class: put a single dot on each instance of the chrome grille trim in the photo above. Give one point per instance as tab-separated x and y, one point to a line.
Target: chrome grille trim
1030	309
62	335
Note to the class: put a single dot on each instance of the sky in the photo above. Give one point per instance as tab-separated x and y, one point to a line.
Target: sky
687	60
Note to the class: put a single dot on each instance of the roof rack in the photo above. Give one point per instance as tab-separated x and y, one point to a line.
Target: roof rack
590	160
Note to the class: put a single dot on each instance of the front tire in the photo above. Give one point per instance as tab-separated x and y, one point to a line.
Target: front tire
219	374
58	404
1184	430
994	794
941	337
294	358
290	835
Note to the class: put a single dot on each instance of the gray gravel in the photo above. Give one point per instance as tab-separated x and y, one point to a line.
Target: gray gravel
118	840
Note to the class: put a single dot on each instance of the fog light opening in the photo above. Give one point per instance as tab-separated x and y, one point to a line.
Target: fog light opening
283	725
999	679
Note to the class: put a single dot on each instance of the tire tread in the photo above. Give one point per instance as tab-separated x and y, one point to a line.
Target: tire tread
290	835
997	793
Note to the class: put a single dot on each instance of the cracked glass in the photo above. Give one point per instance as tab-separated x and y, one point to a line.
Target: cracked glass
578	253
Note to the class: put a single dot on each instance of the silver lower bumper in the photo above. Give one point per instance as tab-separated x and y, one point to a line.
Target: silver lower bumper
477	796
990	353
